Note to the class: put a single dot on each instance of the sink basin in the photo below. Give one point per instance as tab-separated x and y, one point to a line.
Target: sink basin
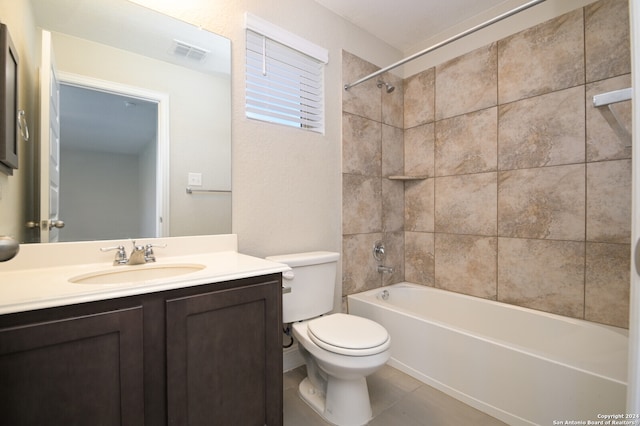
137	273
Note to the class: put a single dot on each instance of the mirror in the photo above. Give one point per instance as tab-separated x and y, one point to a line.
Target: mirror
106	44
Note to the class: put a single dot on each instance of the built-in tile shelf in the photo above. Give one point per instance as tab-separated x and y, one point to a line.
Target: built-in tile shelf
403	177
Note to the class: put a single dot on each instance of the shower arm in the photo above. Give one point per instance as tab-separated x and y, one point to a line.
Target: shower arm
445	42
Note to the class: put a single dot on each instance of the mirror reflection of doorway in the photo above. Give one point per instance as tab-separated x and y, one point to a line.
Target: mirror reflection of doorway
108	161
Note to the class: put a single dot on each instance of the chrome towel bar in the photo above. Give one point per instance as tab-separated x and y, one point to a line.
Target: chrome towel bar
191	190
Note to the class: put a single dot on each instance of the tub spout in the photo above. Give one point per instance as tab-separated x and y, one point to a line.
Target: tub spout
385	269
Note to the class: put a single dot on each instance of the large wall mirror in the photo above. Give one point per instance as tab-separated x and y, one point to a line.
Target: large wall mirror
144	113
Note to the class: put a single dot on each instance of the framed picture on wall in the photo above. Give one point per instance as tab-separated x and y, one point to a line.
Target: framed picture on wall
8	102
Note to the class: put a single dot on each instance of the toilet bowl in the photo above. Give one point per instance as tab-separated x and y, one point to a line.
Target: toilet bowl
340	351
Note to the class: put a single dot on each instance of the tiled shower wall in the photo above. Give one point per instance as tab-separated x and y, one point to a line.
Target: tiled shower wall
527	195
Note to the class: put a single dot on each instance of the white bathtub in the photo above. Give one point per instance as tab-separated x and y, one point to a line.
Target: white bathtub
519	365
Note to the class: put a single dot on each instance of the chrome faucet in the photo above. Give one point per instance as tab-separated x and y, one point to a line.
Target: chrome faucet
385	269
139	254
380	255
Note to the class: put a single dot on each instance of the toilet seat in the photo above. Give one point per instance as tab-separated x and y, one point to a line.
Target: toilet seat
348	335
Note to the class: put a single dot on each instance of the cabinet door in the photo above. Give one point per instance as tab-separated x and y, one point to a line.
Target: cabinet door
224	357
74	371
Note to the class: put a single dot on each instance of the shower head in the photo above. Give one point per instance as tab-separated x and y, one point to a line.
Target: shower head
389	88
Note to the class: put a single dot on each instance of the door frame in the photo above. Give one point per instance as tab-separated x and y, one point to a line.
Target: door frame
162	225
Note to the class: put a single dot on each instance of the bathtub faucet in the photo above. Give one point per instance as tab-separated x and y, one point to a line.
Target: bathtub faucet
385	269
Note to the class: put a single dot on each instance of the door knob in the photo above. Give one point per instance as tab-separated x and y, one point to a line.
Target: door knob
56	224
50	223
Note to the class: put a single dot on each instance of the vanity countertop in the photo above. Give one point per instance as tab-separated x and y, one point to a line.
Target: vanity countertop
39	276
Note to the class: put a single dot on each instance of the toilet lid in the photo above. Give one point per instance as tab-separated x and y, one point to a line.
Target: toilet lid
348	335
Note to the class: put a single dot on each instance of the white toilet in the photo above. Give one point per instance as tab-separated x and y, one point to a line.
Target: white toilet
340	350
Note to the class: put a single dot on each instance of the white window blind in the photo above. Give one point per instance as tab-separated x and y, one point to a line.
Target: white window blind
283	85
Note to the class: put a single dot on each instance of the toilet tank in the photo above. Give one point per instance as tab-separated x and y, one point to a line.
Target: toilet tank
312	282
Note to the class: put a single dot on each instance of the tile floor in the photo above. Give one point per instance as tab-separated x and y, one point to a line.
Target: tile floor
397	400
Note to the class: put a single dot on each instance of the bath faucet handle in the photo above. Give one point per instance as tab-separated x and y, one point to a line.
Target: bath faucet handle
378	251
149	255
121	254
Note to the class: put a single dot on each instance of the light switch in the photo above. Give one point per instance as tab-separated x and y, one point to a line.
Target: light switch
195	179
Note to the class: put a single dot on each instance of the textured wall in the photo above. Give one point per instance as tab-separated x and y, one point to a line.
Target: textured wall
527	199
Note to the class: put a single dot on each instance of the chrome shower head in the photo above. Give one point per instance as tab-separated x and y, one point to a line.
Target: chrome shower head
389	88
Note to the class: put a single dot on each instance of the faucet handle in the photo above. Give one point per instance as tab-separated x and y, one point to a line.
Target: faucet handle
121	254
149	255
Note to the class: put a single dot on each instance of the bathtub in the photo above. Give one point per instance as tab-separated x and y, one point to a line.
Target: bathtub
519	365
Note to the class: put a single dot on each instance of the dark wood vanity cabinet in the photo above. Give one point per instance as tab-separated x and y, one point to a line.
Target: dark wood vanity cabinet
204	355
73	370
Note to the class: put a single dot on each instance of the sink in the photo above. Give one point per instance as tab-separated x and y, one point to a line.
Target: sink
137	273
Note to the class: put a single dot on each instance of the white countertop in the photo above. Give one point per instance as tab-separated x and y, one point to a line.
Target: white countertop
39	276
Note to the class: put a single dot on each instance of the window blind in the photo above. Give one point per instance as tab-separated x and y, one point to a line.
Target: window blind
283	85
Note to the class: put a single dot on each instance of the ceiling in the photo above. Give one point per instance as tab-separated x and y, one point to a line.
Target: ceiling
407	24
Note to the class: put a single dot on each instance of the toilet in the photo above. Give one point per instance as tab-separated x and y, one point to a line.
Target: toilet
339	350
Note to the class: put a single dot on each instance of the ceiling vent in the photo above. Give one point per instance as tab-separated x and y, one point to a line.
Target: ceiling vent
189	51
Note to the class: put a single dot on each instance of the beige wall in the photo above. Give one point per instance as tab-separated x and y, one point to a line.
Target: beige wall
527	198
15	191
286	182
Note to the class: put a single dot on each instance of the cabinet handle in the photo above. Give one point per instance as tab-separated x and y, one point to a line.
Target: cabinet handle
286	289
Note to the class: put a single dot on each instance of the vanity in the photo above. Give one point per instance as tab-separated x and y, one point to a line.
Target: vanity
200	347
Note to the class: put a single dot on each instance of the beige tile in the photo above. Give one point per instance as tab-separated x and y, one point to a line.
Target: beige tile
419	150
419	98
396	399
392	205
466	264
297	412
467	143
466	204
419	208
544	130
427	406
361	145
364	99
609	201
607	43
389	376
362	204
382	396
467	83
394	250
419	266
542	274
392	151
291	379
607	284
392	103
542	59
548	202
602	141
359	268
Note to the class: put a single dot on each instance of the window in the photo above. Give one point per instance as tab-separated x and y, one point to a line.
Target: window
284	77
